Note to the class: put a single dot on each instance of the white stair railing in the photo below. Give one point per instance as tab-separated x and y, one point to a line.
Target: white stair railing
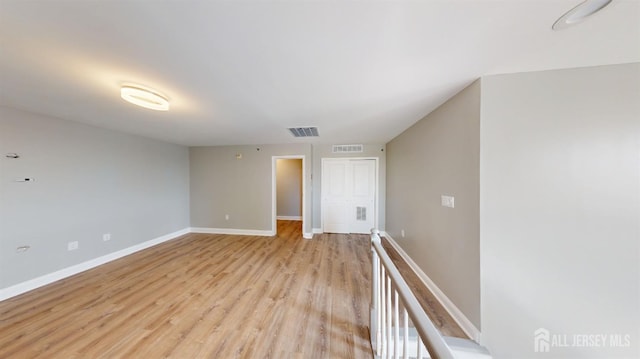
400	328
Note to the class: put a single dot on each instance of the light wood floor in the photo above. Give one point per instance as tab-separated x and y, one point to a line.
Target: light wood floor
211	296
205	296
441	319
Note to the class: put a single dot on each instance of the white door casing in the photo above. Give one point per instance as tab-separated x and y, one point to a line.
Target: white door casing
274	215
349	195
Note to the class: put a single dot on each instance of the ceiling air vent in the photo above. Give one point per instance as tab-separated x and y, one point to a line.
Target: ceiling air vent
304	131
348	148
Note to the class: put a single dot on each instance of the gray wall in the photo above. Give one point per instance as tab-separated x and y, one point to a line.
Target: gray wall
289	187
242	188
560	210
88	182
321	151
439	155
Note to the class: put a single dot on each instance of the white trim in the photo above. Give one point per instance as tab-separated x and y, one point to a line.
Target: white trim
274	215
234	231
457	315
307	235
317	231
289	218
32	284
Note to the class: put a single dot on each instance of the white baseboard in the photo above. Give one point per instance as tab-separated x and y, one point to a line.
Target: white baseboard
457	315
307	235
240	232
289	218
32	284
317	231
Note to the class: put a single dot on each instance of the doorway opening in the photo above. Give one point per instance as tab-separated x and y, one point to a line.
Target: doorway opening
288	194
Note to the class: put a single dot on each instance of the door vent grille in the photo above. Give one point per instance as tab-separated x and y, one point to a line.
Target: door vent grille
304	131
361	213
348	148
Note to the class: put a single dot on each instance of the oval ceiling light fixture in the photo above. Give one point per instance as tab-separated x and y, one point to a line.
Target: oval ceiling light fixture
144	97
579	13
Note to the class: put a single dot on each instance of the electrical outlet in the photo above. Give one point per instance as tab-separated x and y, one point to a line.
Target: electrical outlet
402	233
226	217
106	237
72	246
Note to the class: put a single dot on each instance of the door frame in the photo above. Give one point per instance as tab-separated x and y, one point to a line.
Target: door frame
274	208
376	198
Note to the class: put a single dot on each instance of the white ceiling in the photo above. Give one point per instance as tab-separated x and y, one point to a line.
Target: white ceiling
241	72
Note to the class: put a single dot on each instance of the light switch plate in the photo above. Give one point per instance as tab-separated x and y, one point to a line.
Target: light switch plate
447	201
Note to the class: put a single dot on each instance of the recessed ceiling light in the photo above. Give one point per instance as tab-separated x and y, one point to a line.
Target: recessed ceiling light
144	97
579	13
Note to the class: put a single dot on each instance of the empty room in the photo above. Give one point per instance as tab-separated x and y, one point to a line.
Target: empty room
320	179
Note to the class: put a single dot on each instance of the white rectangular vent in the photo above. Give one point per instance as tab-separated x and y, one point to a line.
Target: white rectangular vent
348	148
361	213
304	131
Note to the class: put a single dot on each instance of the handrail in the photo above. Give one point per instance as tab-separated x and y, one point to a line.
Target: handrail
428	334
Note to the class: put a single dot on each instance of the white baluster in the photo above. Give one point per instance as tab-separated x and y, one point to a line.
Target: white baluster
378	316
383	311
396	339
389	318
405	339
384	316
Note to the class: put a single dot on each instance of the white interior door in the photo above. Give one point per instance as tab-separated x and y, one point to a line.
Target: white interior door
334	196
363	193
348	195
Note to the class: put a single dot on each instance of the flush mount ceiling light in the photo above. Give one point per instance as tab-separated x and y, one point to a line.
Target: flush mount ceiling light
579	13
144	97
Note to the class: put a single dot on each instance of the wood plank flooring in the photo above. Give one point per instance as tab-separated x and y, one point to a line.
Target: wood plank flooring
205	296
209	296
436	312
